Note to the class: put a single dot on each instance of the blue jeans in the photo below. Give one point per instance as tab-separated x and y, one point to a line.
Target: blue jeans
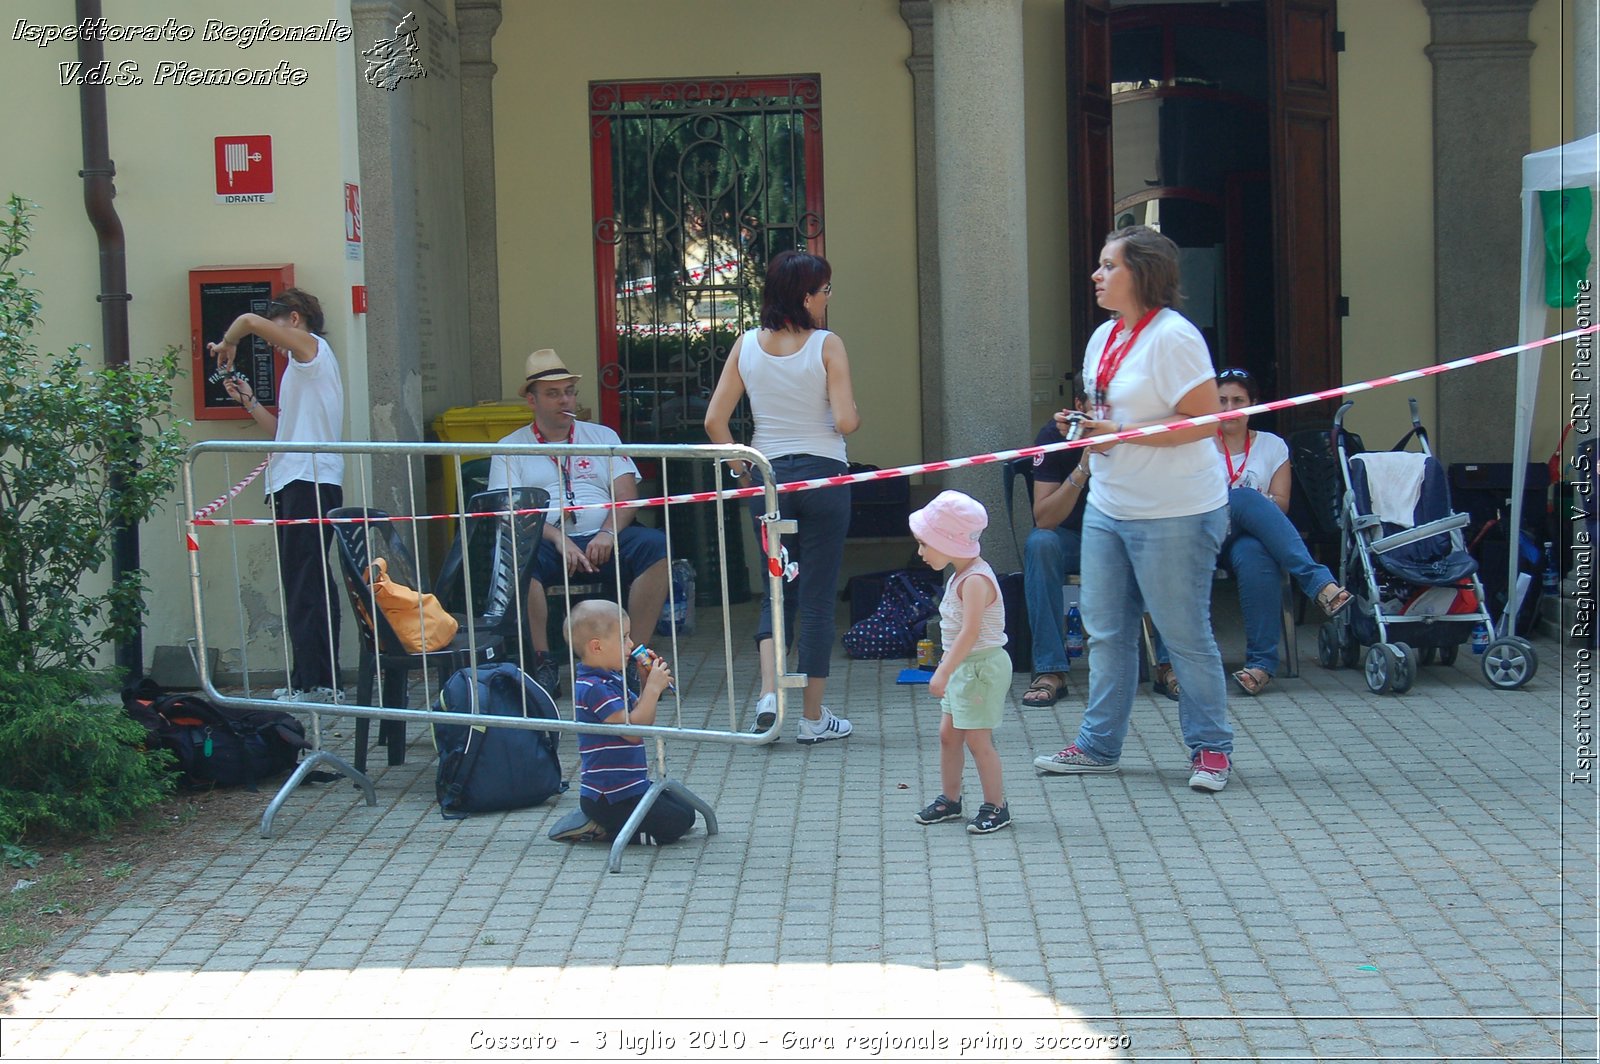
1166	564
1049	556
1261	546
823	516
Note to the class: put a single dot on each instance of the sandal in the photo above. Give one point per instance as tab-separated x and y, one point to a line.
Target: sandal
1165	681
1042	693
1254	681
1332	599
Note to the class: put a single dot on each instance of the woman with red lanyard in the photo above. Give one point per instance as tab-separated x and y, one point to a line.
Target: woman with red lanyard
1156	516
1262	545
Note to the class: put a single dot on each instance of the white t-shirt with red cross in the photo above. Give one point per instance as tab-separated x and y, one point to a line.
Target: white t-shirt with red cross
591	475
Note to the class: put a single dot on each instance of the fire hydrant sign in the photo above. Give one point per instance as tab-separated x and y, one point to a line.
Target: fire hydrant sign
244	169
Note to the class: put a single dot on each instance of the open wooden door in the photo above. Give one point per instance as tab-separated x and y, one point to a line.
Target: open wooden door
1303	171
1088	158
1305	191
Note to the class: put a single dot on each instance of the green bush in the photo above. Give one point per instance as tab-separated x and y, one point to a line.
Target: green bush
83	452
70	765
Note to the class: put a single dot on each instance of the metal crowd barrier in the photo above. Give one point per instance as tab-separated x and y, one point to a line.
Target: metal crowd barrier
202	530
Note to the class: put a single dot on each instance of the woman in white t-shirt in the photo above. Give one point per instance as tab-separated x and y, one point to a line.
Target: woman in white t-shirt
300	485
1157	512
797	376
1262	545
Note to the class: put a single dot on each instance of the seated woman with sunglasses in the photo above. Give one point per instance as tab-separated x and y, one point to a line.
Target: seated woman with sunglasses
1261	544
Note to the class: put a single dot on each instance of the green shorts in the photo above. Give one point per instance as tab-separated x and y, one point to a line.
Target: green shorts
976	695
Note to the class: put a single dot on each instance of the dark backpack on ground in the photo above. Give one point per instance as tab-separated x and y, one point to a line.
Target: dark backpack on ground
899	620
216	746
485	769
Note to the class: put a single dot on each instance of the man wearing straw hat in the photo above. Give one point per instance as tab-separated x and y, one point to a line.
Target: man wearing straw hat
585	543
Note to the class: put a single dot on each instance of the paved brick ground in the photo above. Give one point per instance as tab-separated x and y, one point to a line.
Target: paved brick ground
1384	877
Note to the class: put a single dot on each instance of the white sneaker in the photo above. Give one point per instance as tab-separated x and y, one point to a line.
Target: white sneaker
822	730
319	694
286	694
766	713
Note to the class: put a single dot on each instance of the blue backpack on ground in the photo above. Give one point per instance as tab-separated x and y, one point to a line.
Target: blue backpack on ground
900	618
484	769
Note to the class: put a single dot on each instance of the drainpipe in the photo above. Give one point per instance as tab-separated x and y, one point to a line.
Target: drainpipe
98	191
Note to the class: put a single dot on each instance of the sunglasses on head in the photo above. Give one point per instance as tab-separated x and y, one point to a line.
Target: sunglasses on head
1234	375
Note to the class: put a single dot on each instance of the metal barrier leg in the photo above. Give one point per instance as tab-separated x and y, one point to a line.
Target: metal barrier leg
710	815
302	770
640	811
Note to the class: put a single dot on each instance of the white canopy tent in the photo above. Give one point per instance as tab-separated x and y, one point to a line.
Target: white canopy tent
1574	165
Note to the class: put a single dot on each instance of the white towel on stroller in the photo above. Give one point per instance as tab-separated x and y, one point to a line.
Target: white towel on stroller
1394	484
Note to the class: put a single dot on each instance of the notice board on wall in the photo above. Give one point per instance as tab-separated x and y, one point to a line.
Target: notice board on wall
218	295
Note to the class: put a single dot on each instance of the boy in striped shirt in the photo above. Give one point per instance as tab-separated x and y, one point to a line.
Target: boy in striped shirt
614	774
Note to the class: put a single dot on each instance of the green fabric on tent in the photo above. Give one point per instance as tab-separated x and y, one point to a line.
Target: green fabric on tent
1566	213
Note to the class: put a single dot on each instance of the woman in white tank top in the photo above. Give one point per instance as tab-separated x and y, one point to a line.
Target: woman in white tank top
801	400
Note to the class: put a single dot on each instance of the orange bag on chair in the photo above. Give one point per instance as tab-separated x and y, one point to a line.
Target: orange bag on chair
418	620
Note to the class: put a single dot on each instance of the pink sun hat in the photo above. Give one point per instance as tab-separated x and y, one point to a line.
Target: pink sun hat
951	524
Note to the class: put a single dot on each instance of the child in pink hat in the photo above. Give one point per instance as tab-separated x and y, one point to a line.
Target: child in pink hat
975	672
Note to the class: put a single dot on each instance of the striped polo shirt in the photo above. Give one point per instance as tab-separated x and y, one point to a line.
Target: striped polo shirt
612	768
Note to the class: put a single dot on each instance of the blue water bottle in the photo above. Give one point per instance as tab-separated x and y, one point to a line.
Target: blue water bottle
1480	638
1074	633
1552	574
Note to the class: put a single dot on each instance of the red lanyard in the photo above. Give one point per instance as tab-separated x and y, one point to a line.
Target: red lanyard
1111	360
563	466
1233	477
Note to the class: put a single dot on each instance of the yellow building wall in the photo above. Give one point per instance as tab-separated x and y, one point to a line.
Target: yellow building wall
1386	209
1386	203
549	51
161	140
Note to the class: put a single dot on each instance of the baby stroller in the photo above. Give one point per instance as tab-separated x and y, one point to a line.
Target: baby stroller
1401	554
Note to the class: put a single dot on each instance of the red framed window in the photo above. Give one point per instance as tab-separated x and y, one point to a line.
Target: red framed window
696	184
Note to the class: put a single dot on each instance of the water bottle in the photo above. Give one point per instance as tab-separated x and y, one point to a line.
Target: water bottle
1074	633
1480	638
1552	574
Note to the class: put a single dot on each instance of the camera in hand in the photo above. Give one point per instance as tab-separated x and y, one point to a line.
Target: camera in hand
1074	429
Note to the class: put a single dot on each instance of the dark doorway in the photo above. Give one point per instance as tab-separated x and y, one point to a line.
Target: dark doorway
1215	123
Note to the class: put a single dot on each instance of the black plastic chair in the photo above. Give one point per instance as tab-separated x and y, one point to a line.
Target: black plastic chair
359	542
1315	502
499	554
1009	472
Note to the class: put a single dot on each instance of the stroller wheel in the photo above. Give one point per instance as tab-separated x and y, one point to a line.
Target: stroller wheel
1381	666
1328	655
1349	647
1447	655
1509	662
1429	654
1406	663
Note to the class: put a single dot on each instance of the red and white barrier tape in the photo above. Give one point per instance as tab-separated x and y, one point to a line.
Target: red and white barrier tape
220	501
971	460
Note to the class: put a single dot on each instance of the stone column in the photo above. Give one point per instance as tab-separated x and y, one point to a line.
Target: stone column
1585	68
983	243
384	124
1481	131
476	22
918	15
